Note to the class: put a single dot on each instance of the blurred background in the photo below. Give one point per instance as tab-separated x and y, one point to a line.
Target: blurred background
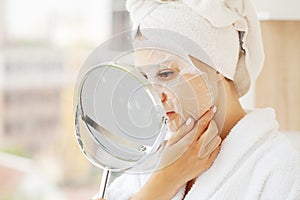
42	46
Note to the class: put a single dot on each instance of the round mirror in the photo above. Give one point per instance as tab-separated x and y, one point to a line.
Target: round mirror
119	117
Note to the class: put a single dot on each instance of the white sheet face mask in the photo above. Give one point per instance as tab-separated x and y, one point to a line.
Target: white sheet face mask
184	90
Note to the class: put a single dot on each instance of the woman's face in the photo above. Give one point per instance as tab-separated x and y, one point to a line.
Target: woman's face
182	88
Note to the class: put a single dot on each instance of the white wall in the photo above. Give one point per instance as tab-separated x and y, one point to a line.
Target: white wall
277	9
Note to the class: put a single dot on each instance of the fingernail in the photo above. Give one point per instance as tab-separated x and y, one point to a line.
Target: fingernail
214	109
189	121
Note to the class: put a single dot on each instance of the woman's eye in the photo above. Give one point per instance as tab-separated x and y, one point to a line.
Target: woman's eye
145	76
167	74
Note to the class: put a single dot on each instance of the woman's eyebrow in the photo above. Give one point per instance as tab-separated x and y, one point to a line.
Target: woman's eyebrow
143	67
171	64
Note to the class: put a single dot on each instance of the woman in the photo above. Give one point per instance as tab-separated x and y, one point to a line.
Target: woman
248	158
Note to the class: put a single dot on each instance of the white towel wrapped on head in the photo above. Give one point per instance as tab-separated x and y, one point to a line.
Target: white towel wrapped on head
228	30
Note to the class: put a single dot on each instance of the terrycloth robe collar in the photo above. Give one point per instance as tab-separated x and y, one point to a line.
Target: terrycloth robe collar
247	135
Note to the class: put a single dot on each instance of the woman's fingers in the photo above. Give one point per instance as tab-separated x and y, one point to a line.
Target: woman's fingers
209	140
214	154
182	131
210	133
202	124
183	151
194	129
208	149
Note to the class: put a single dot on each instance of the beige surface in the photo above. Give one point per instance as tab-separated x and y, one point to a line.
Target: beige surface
279	84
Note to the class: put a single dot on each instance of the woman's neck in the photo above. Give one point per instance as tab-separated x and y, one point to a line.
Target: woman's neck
232	117
229	110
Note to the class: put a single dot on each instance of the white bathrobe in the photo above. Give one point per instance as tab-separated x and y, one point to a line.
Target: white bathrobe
255	162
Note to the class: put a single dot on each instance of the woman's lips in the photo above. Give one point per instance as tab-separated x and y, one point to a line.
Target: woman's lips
171	115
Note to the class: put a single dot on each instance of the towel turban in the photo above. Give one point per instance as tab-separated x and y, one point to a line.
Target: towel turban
228	30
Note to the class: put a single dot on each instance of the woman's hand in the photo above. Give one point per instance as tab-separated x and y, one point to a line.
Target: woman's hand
203	147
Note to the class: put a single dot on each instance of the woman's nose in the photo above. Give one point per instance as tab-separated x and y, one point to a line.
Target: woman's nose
163	97
161	92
